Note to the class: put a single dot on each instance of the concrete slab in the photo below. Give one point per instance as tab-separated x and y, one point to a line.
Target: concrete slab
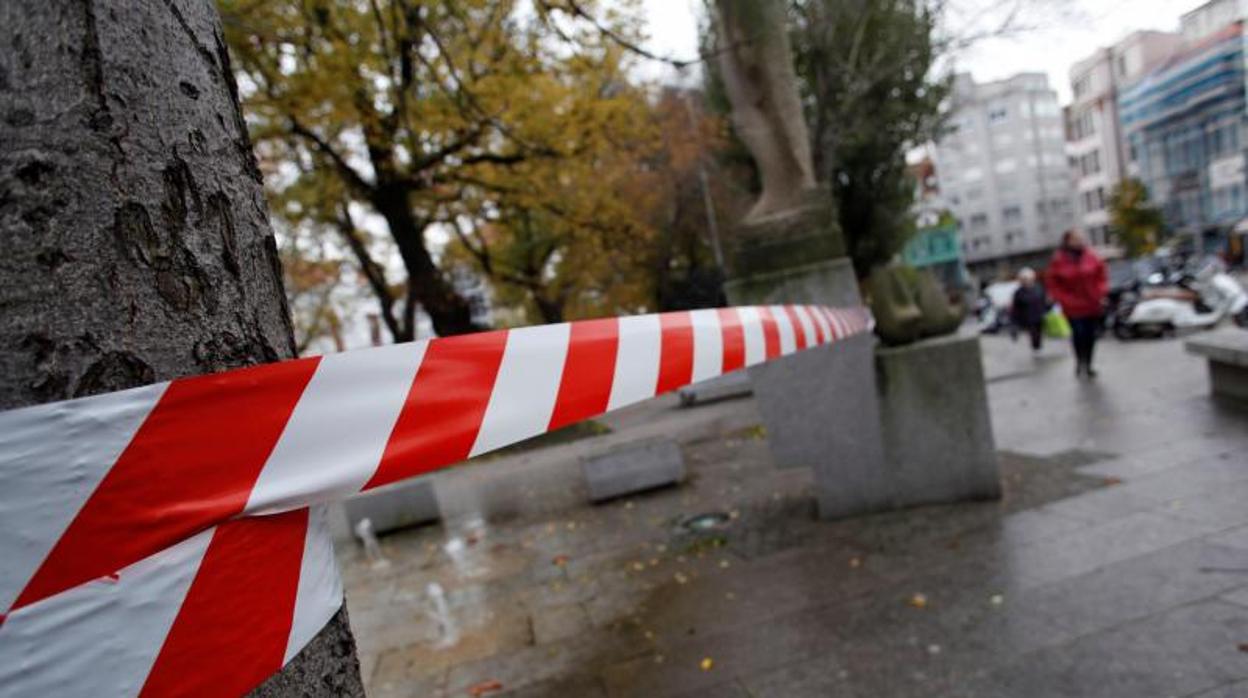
632	468
1228	346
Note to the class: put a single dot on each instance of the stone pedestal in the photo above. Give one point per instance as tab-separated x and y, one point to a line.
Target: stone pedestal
938	441
819	406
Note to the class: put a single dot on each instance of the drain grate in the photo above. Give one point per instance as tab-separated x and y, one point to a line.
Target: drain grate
708	522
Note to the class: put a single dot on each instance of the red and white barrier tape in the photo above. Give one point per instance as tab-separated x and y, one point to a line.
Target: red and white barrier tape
159	540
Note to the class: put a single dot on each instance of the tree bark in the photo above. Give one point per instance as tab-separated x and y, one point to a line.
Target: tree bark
448	311
135	245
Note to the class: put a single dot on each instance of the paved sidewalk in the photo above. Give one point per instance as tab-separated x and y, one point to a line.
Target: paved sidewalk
1116	564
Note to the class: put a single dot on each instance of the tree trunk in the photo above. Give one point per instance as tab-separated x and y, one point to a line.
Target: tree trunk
551	310
136	243
449	311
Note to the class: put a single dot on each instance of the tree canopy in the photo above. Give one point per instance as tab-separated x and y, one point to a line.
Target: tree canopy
511	129
1135	223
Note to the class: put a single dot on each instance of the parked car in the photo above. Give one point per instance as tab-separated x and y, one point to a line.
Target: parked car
992	310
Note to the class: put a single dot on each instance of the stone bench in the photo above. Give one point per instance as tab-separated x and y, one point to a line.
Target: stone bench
633	467
1227	352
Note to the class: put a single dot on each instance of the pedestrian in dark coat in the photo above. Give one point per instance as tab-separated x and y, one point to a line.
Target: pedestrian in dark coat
1029	306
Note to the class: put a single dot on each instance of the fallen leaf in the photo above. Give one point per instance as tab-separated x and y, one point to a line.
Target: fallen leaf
997	600
480	689
639	566
1110	481
707	664
560	560
723	564
917	600
681	579
1243	647
855	562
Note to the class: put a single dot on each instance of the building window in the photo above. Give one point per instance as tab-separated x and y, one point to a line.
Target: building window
1083	84
1090	163
1094	200
1121	65
972	174
979	221
1005	166
997	115
1083	125
1045	106
1012	214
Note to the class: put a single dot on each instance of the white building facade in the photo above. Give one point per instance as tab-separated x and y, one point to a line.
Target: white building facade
1095	145
1003	169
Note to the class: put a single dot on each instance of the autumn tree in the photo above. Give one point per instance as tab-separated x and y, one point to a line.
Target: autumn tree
696	196
430	116
638	239
1135	223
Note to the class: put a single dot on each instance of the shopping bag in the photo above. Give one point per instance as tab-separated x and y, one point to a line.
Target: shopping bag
1056	325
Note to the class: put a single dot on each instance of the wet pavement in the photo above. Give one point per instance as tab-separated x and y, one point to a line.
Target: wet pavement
1115	565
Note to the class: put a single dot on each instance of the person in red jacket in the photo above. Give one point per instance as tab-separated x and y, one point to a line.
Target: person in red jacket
1077	279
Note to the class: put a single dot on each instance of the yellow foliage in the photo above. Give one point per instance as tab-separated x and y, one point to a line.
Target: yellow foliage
515	129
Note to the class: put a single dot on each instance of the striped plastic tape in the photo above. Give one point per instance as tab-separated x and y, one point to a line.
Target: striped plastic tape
172	539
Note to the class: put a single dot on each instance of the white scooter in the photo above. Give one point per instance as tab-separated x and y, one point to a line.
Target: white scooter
1211	296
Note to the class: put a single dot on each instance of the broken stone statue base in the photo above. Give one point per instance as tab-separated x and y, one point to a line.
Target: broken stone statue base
633	467
938	442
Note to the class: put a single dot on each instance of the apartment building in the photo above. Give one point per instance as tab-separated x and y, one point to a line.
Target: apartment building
1095	147
1003	170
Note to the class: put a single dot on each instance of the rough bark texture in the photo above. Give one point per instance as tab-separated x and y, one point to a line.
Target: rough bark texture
136	243
756	64
318	670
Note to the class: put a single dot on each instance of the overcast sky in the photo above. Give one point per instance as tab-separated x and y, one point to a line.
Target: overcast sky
1063	32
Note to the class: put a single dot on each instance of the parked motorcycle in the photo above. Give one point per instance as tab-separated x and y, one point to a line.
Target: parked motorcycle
1194	301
